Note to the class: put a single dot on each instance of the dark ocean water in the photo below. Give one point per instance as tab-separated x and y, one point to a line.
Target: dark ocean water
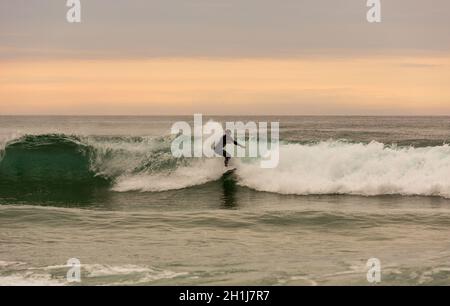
107	190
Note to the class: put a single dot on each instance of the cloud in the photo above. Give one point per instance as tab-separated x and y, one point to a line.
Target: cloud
218	28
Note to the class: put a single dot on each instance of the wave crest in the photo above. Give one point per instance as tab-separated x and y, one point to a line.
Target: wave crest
146	164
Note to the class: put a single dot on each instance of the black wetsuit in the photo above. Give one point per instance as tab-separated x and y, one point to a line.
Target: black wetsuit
226	139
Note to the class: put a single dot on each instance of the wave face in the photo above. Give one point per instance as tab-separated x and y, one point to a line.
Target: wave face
55	158
123	163
335	167
147	165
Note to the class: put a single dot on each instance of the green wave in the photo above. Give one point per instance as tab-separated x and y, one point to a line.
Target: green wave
68	168
49	168
57	159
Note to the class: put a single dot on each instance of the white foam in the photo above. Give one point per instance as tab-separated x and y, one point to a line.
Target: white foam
37	276
139	274
5	138
118	156
29	279
97	270
5	264
198	172
358	169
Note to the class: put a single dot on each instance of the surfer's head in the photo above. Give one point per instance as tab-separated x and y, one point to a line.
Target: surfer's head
228	132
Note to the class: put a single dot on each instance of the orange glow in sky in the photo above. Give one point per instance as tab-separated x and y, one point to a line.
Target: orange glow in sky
363	85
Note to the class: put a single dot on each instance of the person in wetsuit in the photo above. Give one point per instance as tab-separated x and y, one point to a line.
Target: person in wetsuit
220	147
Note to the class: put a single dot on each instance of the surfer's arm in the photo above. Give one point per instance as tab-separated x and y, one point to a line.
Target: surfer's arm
231	140
238	144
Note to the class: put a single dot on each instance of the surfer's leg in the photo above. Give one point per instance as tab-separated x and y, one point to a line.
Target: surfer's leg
227	157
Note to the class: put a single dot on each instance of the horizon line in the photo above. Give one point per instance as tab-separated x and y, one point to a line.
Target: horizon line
216	115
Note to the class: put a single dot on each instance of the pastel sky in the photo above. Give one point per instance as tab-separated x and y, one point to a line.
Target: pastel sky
301	57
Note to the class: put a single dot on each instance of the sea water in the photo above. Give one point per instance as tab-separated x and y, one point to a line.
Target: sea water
107	191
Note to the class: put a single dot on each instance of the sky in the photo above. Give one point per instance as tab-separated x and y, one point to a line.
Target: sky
231	57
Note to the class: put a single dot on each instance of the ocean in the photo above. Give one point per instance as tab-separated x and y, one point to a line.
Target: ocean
108	192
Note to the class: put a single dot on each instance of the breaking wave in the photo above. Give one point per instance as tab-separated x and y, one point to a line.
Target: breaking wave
335	167
125	164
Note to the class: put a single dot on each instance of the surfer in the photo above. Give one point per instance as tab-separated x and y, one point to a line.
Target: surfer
220	146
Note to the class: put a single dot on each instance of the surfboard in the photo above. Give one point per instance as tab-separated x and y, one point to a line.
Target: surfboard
229	170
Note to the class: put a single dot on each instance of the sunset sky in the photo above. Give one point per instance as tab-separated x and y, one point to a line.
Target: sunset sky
303	57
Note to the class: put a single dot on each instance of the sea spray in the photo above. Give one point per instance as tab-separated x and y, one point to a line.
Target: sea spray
335	167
